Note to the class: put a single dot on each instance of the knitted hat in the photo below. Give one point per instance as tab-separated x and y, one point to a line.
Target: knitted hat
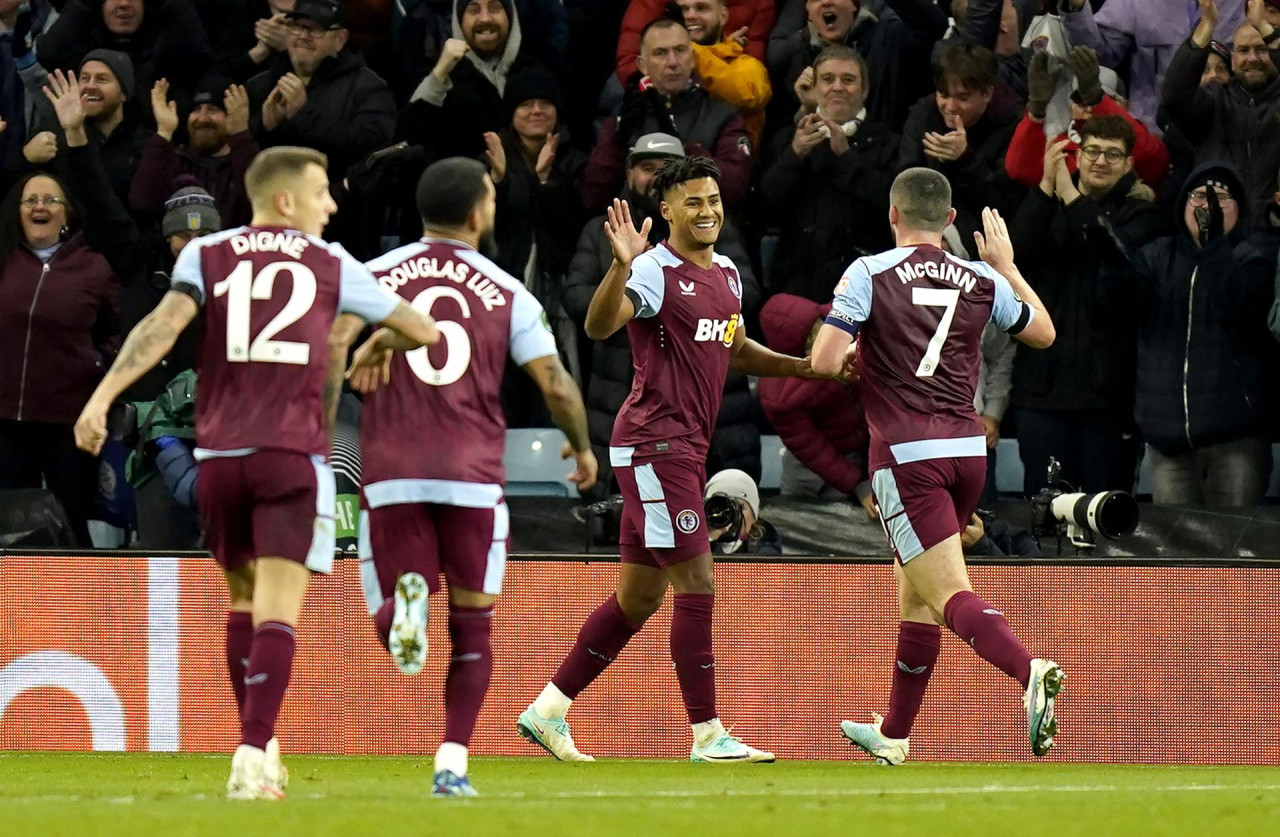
461	6
532	83
190	209
120	65
210	91
734	483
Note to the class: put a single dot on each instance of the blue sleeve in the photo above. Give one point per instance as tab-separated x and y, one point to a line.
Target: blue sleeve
360	293
187	272
852	304
646	287
1010	314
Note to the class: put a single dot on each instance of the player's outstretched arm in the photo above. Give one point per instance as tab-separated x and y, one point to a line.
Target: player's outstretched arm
412	329
829	356
996	249
754	359
145	346
344	332
565	403
610	309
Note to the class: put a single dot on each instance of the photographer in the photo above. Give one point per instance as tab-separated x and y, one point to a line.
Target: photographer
732	507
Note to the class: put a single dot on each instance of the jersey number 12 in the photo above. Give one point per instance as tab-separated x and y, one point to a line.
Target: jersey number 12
241	287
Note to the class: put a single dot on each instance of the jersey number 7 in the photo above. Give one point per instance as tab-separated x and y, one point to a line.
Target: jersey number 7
935	298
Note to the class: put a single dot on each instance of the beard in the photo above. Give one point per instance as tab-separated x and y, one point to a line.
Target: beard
488	245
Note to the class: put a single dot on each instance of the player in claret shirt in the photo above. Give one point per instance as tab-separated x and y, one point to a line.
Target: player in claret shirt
920	312
681	304
265	397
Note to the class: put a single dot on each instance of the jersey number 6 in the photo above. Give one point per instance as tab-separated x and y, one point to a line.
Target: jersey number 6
452	334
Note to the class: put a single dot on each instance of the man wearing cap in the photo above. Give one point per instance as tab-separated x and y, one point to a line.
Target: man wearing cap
320	94
665	98
106	82
828	182
163	38
1237	122
218	151
607	369
1025	157
461	99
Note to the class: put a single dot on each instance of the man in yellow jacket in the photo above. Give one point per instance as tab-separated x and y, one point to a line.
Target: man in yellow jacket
722	64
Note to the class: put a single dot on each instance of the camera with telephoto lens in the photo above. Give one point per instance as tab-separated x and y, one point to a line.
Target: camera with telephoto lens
724	512
1080	516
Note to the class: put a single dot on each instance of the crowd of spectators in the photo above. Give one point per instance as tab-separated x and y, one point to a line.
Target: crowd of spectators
1134	147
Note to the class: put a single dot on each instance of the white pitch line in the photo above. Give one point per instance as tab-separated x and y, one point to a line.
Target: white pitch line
806	793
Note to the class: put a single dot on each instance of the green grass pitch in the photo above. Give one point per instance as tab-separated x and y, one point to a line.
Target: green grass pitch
93	794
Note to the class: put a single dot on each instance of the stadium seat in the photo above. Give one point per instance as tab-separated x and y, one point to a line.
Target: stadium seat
534	466
1009	470
768	249
771	451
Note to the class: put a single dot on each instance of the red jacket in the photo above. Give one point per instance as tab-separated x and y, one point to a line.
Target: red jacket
819	421
759	15
57	331
1024	161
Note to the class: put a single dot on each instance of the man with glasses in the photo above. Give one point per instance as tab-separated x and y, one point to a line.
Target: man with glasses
1075	399
1238	122
319	94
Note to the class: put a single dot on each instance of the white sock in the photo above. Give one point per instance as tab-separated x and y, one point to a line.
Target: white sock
552	704
707	731
452	757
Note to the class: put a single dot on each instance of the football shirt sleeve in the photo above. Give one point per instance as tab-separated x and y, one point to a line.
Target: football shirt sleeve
1008	311
646	286
359	292
187	276
531	336
852	304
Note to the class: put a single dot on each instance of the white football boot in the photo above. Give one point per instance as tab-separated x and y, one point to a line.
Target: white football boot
869	739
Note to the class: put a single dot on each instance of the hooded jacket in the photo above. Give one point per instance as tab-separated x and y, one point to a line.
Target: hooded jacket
349	113
735	443
1090	365
1201	318
820	421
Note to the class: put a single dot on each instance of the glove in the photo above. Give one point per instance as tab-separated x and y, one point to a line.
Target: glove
1210	217
1083	62
631	113
22	40
1042	81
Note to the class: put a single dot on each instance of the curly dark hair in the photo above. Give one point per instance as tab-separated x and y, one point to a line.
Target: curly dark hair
678	170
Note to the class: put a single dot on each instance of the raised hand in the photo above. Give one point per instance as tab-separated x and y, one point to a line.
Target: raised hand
236	103
165	111
63	91
1042	82
547	158
740	36
1083	62
950	146
584	475
835	136
272	32
294	93
450	54
41	148
624	239
1203	32
808	135
994	247
496	155
804	89
1055	155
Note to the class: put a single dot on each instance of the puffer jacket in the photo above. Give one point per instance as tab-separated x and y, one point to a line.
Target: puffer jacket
735	442
1201	316
820	421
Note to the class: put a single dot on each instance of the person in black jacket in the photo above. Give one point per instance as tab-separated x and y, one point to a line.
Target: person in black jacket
963	130
320	94
829	183
164	38
735	443
1200	298
1075	399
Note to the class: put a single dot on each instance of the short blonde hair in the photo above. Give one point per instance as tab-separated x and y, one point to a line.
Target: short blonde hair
274	164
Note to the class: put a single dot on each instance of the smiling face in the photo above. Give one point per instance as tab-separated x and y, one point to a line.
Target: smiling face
831	19
43	211
840	88
1110	162
1250	59
694	213
123	17
958	100
207	128
534	119
100	92
485	26
705	20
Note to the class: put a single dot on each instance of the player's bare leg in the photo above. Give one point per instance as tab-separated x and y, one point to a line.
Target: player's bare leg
886	739
470	665
694	658
938	574
603	636
278	590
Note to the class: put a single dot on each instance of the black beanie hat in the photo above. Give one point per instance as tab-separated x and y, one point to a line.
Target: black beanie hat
531	83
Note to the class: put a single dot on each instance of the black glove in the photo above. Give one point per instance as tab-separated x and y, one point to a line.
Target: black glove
22	40
1209	217
1107	243
1083	62
631	112
1042	81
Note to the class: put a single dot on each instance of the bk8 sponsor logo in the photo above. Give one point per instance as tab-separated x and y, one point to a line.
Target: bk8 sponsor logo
721	331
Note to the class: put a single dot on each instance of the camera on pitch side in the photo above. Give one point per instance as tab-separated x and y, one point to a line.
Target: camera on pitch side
724	512
1080	516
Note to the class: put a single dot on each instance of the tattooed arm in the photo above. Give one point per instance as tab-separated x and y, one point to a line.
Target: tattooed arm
565	403
345	331
145	346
